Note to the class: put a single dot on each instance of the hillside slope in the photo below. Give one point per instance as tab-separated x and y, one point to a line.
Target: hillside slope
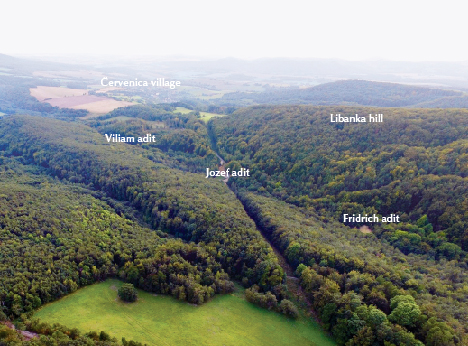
413	164
186	205
307	172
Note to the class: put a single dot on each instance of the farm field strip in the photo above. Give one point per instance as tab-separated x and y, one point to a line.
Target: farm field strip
76	99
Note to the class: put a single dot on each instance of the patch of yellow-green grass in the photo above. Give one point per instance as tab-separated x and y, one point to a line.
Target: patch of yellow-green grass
182	110
162	320
205	116
137	99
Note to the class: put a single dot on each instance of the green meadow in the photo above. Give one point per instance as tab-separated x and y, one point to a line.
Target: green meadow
163	320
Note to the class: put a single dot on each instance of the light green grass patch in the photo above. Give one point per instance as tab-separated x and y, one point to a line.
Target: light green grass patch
162	320
182	110
205	116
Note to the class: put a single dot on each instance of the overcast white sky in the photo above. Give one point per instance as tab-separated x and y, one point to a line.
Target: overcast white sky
351	30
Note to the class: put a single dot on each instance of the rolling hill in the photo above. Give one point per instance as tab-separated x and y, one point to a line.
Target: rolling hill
354	93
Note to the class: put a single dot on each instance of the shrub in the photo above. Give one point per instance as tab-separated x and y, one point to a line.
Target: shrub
288	308
127	293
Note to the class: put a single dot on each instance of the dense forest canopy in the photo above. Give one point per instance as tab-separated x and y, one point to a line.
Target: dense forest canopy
350	277
76	209
183	204
181	140
413	164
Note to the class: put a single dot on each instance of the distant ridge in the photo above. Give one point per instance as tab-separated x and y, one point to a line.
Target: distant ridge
30	65
356	93
7	59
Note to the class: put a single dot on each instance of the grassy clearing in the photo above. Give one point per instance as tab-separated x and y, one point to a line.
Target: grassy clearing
162	320
205	116
137	99
182	110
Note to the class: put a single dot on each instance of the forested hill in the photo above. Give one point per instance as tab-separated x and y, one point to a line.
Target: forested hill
414	163
186	205
355	92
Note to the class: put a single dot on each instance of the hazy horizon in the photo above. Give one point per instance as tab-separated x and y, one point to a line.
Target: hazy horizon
357	31
96	58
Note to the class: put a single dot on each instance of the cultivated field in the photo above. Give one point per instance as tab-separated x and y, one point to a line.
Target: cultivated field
162	320
77	99
43	93
103	106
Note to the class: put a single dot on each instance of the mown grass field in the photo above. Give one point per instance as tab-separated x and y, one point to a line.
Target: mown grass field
162	320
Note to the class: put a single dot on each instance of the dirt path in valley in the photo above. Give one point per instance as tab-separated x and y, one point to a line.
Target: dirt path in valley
296	294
